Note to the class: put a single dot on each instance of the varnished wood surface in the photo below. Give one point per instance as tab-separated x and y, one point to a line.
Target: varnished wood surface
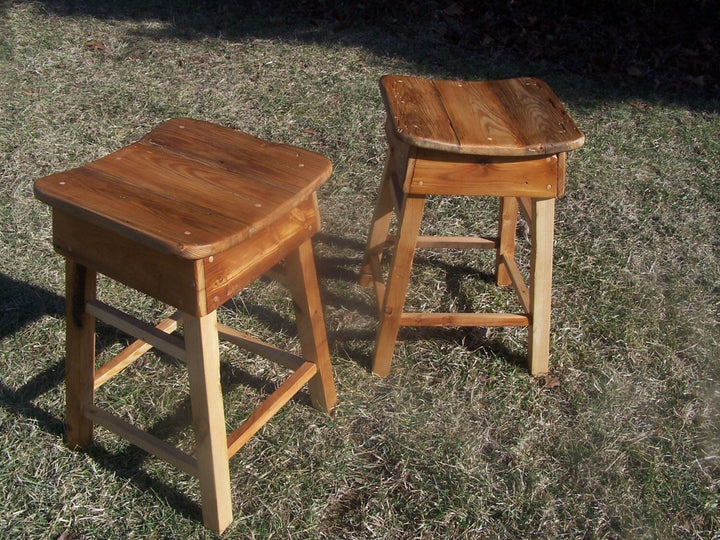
189	188
511	117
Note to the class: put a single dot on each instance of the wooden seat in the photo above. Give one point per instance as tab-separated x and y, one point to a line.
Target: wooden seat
190	215
505	139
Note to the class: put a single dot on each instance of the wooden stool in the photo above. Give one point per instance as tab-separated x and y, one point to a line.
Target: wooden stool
506	139
189	215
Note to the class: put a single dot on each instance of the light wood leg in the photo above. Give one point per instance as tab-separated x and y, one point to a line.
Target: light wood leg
80	286
203	363
394	301
303	284
507	225
541	266
379	226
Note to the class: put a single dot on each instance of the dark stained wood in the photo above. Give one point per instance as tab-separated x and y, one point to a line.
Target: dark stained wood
189	188
512	117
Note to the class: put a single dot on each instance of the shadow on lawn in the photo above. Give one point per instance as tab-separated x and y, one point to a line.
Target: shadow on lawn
653	49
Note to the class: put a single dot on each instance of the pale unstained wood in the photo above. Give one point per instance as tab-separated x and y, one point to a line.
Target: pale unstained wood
274	402
125	358
203	363
379	227
302	281
157	337
394	299
147	442
259	347
541	265
456	242
507	226
517	281
464	319
80	285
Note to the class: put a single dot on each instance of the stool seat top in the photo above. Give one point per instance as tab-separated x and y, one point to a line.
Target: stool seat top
511	117
189	188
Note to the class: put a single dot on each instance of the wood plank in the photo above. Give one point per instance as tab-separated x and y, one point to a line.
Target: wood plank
206	400
132	352
80	285
511	117
275	165
270	407
464	319
379	226
230	271
303	285
416	111
142	439
156	220
456	242
256	346
507	227
526	207
169	344
439	173
184	194
168	278
541	266
394	297
518	282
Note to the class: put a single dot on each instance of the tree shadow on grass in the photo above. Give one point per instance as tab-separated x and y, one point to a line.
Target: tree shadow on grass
666	49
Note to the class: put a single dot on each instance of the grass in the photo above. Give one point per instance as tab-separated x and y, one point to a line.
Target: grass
459	441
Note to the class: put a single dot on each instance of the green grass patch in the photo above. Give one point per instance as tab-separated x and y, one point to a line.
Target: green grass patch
459	441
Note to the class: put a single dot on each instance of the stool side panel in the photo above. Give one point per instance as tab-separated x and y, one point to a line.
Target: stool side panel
229	272
443	174
168	278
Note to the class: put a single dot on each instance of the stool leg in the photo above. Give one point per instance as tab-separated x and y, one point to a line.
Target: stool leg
203	363
541	265
303	285
394	301
507	225
379	226
80	286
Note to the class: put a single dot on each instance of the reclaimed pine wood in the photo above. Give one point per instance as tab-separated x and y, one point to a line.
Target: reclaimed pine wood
80	283
506	139
512	117
190	215
189	188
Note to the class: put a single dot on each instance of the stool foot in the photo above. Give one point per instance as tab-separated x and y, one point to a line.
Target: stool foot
80	287
394	300
203	364
541	262
303	285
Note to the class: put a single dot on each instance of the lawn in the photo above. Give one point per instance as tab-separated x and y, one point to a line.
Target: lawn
621	441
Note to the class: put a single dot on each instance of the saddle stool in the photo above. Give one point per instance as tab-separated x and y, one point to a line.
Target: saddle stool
190	215
505	139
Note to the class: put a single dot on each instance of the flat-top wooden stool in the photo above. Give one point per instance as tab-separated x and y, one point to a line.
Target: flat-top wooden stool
505	138
190	215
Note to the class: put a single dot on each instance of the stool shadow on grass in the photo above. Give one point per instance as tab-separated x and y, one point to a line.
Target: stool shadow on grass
347	269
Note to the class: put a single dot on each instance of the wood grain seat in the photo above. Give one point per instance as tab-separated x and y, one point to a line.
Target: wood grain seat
505	139
190	215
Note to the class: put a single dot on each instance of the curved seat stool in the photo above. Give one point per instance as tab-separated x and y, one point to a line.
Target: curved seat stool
504	139
190	215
